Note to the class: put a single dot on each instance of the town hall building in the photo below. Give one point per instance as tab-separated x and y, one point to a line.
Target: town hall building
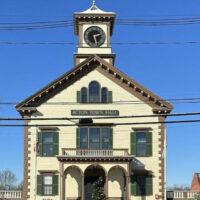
95	124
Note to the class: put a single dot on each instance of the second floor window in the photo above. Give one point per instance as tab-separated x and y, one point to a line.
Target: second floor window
141	144
95	138
48	144
47	149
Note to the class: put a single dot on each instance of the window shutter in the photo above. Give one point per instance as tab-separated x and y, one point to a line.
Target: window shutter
55	184
78	96
39	184
111	138
149	143
133	185
149	185
55	144
133	143
40	143
110	97
78	138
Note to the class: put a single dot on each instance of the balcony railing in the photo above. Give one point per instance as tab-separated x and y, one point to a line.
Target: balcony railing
95	152
10	194
177	194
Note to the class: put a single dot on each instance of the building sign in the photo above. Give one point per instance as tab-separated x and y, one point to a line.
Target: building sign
95	112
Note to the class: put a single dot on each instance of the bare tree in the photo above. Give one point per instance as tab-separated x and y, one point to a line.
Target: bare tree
7	180
20	186
179	187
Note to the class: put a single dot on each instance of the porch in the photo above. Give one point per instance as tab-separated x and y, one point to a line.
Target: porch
81	168
78	184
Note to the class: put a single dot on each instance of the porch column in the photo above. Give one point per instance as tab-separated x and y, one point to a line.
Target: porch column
82	187
106	185
127	187
63	186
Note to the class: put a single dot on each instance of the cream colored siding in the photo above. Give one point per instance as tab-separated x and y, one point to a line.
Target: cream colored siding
73	183
116	183
121	134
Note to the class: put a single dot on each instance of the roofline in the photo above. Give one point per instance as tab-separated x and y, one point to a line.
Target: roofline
143	91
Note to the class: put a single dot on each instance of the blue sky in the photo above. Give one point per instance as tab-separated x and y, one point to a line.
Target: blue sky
171	71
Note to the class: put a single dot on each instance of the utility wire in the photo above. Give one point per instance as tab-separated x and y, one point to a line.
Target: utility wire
174	100
110	117
69	23
112	43
113	124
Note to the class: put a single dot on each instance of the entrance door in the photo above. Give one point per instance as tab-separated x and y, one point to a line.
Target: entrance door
92	174
89	186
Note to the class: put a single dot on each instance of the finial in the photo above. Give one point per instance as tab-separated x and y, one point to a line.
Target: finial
94	3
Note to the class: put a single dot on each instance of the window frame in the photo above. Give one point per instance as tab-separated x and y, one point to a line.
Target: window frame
103	95
100	94
138	186
52	144
84	88
50	185
145	143
100	137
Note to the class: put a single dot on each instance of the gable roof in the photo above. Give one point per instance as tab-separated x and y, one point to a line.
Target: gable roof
198	176
195	186
94	62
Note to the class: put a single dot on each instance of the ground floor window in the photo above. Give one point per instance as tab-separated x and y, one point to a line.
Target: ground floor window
47	185
142	185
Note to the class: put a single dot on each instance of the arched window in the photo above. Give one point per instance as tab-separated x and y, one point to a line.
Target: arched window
84	95
94	93
104	95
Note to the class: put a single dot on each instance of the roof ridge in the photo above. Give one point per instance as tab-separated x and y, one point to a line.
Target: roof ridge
107	69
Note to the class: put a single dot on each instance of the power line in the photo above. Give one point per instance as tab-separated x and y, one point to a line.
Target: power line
112	43
113	124
110	117
126	22
172	100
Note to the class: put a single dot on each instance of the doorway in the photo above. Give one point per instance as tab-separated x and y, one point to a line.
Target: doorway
92	174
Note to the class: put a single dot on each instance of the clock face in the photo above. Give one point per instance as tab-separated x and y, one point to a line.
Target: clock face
94	36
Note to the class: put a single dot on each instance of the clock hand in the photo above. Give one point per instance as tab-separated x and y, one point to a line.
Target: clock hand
95	37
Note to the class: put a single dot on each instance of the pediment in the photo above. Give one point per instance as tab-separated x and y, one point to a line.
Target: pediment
94	62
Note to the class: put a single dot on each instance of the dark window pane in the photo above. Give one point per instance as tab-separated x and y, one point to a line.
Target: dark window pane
141	144
83	138
104	94
94	138
47	138
105	138
94	92
47	144
141	185
47	149
84	95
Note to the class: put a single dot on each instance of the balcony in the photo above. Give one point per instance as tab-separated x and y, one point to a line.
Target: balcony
10	194
181	194
95	155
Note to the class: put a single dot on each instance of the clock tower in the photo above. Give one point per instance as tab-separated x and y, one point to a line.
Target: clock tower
94	27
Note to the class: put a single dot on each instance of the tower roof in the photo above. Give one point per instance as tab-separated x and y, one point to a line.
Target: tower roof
95	10
93	14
